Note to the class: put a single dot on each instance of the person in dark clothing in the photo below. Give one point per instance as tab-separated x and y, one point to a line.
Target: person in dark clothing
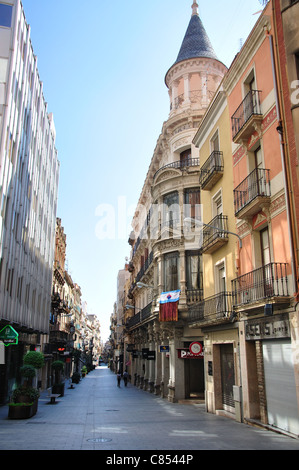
118	379
126	375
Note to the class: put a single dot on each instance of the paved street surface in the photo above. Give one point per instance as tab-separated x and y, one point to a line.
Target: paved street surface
97	415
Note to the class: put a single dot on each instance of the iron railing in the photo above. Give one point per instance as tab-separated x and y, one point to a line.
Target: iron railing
257	183
140	316
217	308
180	164
213	164
263	283
250	106
145	267
214	230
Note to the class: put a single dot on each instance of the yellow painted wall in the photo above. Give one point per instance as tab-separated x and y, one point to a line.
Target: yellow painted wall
226	185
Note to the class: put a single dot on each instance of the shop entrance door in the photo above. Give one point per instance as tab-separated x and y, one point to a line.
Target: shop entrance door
227	376
194	378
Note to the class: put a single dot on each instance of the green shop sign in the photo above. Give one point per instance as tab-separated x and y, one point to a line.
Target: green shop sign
9	336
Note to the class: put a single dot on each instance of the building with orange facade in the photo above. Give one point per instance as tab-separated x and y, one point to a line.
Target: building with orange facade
248	192
264	287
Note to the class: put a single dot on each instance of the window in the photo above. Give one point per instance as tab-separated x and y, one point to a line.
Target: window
171	213
171	272
193	270
185	157
5	15
214	143
217	204
192	204
265	247
220	277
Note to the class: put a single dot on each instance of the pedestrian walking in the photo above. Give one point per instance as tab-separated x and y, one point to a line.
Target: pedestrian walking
118	379
126	375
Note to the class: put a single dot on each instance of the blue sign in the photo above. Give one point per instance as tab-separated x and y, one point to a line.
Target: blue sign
164	349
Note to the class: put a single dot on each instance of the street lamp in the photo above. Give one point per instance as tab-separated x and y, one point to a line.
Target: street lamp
189	219
141	284
128	307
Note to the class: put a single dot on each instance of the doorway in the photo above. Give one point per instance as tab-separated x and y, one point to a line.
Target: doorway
227	376
194	379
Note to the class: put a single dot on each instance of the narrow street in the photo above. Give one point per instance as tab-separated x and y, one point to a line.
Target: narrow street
97	415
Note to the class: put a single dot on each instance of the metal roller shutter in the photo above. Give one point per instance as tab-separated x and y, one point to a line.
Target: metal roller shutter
280	386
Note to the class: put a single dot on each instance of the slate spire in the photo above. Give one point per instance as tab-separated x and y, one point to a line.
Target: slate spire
196	42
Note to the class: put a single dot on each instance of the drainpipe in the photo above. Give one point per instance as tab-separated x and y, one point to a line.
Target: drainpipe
283	160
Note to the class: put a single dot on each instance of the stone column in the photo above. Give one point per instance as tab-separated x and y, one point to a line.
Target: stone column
176	385
186	90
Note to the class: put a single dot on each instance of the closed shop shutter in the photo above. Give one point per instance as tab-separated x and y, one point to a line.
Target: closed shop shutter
227	375
280	386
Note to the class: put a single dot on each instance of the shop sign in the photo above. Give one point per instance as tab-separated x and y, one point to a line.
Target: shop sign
151	355
144	353
267	328
9	336
164	349
187	354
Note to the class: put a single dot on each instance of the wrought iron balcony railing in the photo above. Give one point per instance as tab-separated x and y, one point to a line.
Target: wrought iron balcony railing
249	107
215	234
261	284
180	165
140	316
145	267
215	309
255	185
212	170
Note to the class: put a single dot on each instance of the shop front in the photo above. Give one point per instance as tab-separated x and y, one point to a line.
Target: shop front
193	356
275	371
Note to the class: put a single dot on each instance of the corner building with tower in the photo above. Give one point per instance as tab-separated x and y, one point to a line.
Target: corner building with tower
165	239
211	311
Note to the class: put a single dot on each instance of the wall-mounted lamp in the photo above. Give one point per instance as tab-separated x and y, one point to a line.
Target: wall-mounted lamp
189	219
141	284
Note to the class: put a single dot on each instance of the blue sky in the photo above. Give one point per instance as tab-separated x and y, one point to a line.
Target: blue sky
103	65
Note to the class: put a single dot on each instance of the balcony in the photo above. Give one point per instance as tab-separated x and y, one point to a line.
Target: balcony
215	234
194	295
261	285
139	317
217	309
182	165
252	194
145	267
211	171
247	118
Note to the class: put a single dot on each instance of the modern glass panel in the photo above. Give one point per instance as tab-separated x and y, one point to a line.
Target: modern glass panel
5	15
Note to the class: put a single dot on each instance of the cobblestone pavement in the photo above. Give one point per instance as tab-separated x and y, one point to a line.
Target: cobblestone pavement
98	415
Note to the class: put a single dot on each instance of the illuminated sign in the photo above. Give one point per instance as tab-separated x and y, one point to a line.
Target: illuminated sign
9	336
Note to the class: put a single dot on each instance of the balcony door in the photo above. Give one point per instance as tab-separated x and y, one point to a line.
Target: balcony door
266	263
185	157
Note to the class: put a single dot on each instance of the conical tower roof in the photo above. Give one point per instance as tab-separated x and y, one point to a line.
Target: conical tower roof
196	42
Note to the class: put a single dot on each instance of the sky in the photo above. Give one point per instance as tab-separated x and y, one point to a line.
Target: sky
103	65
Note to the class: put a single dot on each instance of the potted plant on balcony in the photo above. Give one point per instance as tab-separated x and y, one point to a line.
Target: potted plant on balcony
24	402
58	387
